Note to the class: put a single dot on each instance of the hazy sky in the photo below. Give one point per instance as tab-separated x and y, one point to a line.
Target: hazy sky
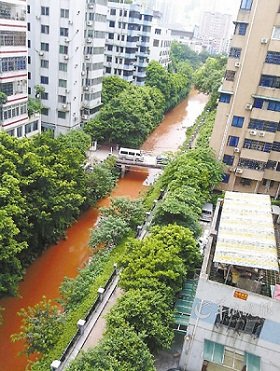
190	10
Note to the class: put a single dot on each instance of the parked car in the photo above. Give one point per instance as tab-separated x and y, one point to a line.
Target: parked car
162	160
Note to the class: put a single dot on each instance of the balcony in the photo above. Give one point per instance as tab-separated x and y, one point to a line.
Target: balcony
261	114
272	175
13	13
268	92
254	154
250	173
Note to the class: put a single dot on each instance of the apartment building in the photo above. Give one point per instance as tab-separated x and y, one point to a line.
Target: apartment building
13	71
246	135
66	55
160	45
128	41
234	322
214	31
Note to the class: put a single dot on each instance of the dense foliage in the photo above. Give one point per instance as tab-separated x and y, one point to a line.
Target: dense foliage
43	188
131	112
183	53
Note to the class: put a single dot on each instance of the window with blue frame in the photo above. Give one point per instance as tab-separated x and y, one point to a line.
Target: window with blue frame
228	160
240	28
273	106
235	52
258	103
233	141
246	4
270	81
262	125
225	178
225	98
257	145
237	121
273	57
276	146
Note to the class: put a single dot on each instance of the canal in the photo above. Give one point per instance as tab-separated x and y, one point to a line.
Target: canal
45	275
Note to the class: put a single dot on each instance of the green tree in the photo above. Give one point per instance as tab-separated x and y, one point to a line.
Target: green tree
112	86
41	327
183	53
109	232
121	349
148	312
3	98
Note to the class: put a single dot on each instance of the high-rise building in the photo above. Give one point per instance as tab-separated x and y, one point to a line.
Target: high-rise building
13	71
246	135
214	30
134	39
233	322
66	57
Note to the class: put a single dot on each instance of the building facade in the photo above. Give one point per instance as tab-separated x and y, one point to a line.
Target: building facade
234	322
128	41
66	56
246	134
214	30
13	71
160	45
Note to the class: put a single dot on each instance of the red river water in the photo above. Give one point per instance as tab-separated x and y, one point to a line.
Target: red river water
45	275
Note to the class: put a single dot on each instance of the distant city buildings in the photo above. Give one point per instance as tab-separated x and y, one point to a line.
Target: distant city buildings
13	71
66	57
246	135
214	32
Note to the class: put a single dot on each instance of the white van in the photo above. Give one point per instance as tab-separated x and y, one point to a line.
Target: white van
131	154
207	212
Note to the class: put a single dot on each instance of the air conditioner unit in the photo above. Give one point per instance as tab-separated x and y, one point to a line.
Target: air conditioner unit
89	40
249	107
89	23
84	117
70	22
66	40
237	64
90	6
238	170
83	73
64	106
261	133
66	57
236	150
86	88
231	169
264	40
87	57
252	132
41	54
38	17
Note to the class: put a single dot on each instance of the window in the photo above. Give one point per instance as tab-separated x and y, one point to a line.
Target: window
269	126
258	103
63	49
62	83
62	67
276	146
270	81
224	98
44	95
225	178
235	52
213	352
271	165
111	36
61	115
246	4
228	160
276	33
251	164
108	69
113	11
44	63
45	29
64	31
45	47
253	363
111	24
229	75
19	132
237	121
240	28
110	47
257	145
44	80
272	57
64	13
61	99
29	43
45	111
28	26
233	141
7	88
273	106
32	126
45	10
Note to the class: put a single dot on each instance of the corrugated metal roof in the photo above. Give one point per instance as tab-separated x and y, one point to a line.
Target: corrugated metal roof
246	233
